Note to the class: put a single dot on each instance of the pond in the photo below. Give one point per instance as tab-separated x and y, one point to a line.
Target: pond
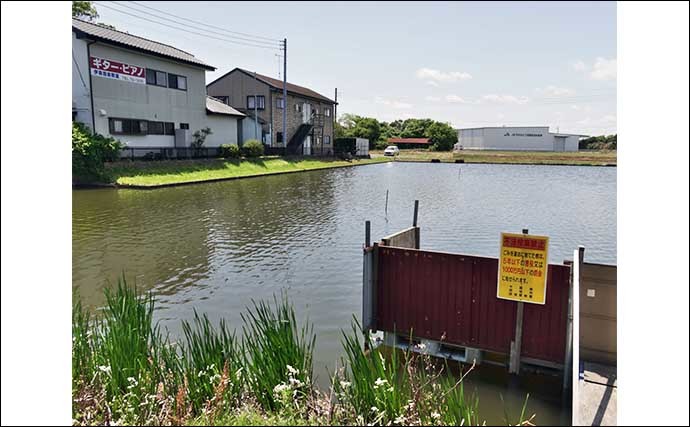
217	246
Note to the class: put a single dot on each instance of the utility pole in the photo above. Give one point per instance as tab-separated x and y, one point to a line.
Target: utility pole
285	103
335	107
256	112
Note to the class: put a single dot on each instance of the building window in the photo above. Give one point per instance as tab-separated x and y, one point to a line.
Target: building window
298	107
157	78
128	126
184	125
279	137
224	99
177	82
259	102
327	139
327	112
169	128
156	128
280	103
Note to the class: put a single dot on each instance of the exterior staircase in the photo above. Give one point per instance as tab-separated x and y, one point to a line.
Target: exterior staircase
294	146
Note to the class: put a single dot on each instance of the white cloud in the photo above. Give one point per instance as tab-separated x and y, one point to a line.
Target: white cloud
455	99
434	77
392	103
505	99
432	83
555	91
433	98
609	118
604	69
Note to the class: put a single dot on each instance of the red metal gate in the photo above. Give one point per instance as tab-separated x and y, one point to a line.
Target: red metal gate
452	298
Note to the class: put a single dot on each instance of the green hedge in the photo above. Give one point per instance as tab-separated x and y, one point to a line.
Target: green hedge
229	151
89	152
253	148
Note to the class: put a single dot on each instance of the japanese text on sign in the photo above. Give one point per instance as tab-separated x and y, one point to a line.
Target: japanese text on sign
522	268
117	70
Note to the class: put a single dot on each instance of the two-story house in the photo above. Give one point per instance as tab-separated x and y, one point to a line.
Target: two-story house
144	93
309	115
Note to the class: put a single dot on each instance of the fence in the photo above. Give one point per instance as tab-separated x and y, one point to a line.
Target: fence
174	153
452	298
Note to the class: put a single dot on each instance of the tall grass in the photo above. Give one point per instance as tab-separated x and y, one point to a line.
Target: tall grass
277	353
126	371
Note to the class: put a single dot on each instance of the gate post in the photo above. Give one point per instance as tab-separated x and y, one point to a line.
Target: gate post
368	285
516	346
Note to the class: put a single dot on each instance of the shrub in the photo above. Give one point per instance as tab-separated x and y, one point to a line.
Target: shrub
230	151
90	151
381	145
253	148
200	137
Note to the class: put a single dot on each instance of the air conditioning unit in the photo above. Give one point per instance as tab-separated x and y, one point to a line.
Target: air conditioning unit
182	138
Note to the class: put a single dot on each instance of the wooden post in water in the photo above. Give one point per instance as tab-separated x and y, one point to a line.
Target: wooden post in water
516	348
416	210
386	203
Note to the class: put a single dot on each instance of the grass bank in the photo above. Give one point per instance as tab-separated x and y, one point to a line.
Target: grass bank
579	158
151	174
127	371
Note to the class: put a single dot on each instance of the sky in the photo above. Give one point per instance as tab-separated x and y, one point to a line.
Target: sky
469	64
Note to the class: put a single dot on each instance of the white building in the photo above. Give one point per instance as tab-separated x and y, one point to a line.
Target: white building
144	93
519	138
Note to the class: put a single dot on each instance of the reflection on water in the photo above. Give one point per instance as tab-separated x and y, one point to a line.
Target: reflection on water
216	246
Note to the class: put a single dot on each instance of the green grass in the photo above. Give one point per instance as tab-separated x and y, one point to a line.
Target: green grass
125	371
155	173
581	158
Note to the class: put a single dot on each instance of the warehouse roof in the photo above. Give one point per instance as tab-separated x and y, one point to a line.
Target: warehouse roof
278	84
129	41
215	106
409	140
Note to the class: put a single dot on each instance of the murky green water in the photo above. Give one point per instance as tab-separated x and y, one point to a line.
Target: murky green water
216	246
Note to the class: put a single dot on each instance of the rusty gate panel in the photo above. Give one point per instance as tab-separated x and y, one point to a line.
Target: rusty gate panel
452	296
544	326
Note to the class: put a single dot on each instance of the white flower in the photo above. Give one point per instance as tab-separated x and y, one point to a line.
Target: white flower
295	382
280	388
374	409
400	420
214	378
201	373
292	370
379	382
345	384
435	415
105	369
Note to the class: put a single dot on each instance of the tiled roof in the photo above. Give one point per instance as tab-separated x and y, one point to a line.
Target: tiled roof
278	84
217	107
409	140
130	41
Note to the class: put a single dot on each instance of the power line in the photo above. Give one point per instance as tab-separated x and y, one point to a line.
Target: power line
188	31
273	44
205	24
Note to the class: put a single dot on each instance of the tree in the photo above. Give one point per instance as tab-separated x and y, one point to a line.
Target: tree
366	127
199	137
442	136
84	9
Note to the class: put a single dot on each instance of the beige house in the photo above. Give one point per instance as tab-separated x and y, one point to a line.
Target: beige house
310	115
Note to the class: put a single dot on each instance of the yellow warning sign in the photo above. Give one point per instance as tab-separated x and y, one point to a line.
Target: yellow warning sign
522	268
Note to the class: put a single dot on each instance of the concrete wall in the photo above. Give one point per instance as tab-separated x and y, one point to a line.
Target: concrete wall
120	99
81	100
224	130
249	130
598	313
514	139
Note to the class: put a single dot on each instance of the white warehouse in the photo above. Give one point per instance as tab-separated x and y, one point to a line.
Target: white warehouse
532	138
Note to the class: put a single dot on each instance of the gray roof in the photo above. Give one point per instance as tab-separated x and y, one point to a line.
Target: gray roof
215	106
278	84
118	38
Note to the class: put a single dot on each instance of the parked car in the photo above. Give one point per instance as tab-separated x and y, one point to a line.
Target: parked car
391	150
